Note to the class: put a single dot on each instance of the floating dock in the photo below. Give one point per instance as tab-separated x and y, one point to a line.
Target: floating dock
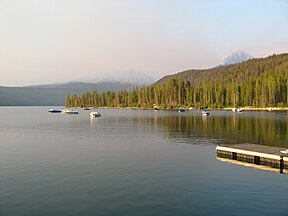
258	155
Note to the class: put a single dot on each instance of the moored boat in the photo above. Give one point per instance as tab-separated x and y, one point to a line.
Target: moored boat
284	151
205	113
234	109
54	111
95	114
181	110
67	111
155	107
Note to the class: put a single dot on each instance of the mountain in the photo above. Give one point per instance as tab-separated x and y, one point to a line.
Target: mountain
237	57
54	94
240	72
132	76
259	82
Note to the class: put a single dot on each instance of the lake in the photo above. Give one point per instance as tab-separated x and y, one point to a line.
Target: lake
136	162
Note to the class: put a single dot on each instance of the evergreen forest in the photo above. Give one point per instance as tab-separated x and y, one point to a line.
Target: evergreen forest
261	82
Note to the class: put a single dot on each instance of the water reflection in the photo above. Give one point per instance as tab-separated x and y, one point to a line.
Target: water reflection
220	127
263	128
280	170
92	122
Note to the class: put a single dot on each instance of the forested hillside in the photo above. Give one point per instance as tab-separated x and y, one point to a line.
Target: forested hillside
257	82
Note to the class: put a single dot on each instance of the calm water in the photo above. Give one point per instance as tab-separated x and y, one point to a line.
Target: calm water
136	162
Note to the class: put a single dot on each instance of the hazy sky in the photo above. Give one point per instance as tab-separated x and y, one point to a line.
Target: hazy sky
46	41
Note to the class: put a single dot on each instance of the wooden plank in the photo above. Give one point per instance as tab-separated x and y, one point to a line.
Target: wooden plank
255	150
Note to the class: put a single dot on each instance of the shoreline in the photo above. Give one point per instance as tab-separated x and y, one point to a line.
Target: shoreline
226	108
260	108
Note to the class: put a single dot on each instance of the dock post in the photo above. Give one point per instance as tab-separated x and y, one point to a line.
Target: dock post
234	156
281	164
257	160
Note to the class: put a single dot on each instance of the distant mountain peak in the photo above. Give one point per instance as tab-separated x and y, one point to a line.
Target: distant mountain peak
131	76
237	57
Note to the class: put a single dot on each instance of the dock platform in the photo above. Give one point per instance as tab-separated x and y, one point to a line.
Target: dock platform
261	155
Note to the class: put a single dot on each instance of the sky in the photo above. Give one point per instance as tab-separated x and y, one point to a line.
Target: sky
50	41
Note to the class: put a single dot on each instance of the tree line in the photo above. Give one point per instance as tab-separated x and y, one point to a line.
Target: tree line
257	82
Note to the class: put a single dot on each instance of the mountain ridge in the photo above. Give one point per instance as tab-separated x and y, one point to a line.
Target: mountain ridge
196	76
53	94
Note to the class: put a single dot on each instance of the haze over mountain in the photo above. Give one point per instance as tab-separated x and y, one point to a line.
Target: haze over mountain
54	94
237	57
132	76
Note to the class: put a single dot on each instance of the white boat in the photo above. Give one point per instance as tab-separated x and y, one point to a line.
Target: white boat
67	111
239	110
234	109
205	113
95	114
285	151
155	107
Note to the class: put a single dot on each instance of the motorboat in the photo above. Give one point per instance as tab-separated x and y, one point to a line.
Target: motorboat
234	109
181	110
284	151
205	113
95	114
155	108
67	111
54	111
86	108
